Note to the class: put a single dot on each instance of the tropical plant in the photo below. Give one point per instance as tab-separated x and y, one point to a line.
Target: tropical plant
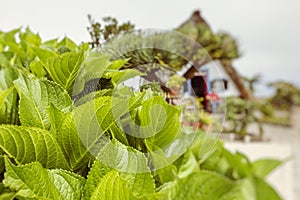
110	30
216	46
65	131
251	81
240	113
286	95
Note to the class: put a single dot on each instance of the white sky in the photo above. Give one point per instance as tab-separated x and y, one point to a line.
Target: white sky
267	30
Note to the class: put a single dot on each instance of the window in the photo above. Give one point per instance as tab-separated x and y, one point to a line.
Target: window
219	85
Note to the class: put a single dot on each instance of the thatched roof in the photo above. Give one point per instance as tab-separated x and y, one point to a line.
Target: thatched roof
195	20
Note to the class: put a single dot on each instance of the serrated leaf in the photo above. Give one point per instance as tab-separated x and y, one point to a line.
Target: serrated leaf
68	43
142	184
112	187
63	69
94	67
202	185
43	54
68	138
81	133
124	158
8	109
35	98
57	118
32	181
69	184
159	122
3	96
28	144
96	173
7	76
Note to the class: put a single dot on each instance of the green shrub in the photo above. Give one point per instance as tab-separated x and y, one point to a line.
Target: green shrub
64	117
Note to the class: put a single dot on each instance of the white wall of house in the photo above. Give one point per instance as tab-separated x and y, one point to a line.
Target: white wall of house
217	72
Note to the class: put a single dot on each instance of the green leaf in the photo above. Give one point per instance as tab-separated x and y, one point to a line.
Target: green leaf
125	75
8	196
124	158
29	37
68	43
7	76
35	98
239	163
36	67
63	69
94	67
261	168
117	64
70	142
28	144
4	61
167	174
93	95
32	181
8	110
242	190
159	122
82	133
203	185
169	190
188	166
112	187
57	118
140	184
96	173
70	185
43	54
3	96
265	191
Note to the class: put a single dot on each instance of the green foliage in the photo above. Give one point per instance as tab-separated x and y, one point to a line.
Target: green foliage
240	113
175	81
110	30
70	130
286	95
215	45
36	95
23	145
32	181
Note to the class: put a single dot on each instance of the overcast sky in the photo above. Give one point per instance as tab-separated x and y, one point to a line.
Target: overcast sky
267	30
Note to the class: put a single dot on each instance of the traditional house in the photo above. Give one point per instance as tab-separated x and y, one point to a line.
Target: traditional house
215	74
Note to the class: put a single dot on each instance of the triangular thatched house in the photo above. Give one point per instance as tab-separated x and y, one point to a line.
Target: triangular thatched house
215	69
